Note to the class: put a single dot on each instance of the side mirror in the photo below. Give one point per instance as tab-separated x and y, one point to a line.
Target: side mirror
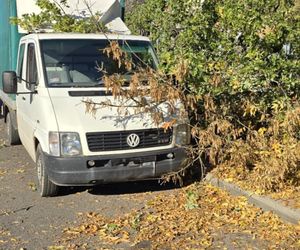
9	80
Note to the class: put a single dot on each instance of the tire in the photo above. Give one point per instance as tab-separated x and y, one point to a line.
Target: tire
12	136
45	186
1	109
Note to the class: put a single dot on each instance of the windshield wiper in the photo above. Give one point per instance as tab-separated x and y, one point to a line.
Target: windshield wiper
88	85
98	84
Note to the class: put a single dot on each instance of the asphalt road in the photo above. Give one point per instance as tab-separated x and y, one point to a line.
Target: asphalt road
31	222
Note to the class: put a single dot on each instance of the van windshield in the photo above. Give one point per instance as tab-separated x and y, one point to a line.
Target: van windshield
83	62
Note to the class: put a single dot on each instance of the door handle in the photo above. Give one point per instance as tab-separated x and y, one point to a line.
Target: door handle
23	98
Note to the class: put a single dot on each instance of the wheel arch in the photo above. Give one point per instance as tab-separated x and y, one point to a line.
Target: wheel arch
36	144
13	116
39	138
5	112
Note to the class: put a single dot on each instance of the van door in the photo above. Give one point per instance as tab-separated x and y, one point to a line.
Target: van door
26	98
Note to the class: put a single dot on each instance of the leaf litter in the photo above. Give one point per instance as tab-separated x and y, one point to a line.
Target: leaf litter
195	217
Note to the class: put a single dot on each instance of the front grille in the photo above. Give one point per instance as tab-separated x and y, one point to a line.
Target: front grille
108	141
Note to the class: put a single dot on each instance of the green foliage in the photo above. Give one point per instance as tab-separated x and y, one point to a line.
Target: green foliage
242	65
231	46
191	200
111	227
53	16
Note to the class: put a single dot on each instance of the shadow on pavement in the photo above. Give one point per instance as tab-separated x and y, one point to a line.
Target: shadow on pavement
121	188
131	188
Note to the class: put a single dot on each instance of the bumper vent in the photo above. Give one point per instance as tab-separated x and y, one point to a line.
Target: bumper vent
109	141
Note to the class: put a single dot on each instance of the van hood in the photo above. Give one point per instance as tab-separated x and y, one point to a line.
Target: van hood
73	114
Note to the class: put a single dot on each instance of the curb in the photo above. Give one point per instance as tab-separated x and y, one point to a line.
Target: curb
265	203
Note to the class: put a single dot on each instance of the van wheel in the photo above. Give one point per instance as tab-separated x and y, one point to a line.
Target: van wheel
45	186
12	136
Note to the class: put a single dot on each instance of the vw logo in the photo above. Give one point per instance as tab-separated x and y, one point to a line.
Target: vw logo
133	140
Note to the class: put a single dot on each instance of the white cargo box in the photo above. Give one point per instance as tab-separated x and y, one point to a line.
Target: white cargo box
110	11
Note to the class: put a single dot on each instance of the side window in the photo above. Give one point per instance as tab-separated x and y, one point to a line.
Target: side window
31	74
20	61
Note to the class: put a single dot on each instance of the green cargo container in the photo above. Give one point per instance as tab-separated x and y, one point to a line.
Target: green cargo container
9	37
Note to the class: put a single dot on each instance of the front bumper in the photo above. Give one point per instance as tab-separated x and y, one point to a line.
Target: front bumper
75	171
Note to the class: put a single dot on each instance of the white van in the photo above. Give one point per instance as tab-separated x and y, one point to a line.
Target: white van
55	72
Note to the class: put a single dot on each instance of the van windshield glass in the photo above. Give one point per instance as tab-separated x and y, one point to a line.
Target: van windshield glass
83	62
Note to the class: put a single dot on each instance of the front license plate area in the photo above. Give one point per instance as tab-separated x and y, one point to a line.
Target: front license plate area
150	164
148	161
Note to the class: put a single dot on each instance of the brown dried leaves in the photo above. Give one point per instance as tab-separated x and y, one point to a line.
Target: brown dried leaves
191	218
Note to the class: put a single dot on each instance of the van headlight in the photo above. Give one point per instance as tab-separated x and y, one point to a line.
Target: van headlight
70	144
64	144
183	135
